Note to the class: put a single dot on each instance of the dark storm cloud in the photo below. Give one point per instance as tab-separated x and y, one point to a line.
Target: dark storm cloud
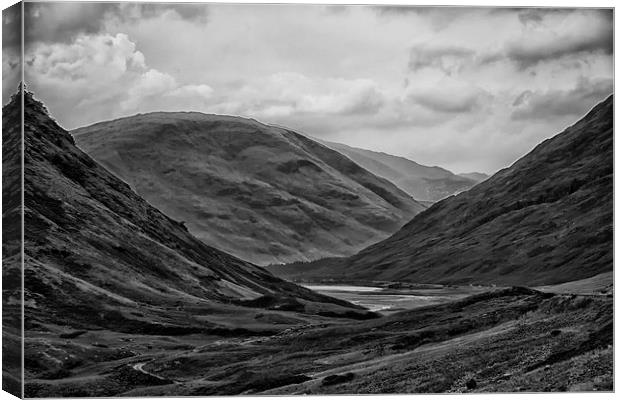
560	103
11	54
547	35
62	22
11	28
534	48
525	54
536	16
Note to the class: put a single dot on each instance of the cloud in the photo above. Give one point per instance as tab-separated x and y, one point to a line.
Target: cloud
336	9
150	83
528	53
11	28
439	17
11	76
287	93
63	22
87	57
535	16
101	76
11	54
154	91
559	103
449	96
524	38
557	34
202	91
448	58
465	88
186	11
343	97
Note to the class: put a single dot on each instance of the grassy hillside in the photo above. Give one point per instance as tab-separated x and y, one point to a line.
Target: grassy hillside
546	219
264	194
97	256
504	341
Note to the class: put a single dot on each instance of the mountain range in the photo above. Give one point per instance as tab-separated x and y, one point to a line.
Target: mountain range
120	299
546	219
262	193
425	184
99	256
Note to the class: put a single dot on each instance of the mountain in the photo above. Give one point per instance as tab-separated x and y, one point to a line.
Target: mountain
475	176
546	219
99	256
264	194
120	300
11	256
423	183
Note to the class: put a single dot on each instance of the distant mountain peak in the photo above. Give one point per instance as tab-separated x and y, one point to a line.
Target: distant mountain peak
424	183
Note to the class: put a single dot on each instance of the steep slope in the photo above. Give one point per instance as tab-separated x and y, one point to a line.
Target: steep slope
262	193
12	365
97	255
423	183
547	219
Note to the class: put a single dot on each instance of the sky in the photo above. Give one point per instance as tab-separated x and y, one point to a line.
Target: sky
468	89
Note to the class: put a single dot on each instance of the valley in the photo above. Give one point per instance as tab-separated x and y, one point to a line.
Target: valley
272	199
563	343
545	220
122	300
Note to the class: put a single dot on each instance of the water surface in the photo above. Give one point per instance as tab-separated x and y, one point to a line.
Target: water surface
380	299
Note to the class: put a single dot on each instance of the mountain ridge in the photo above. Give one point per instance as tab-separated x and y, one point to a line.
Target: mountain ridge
476	176
546	219
95	252
426	184
262	193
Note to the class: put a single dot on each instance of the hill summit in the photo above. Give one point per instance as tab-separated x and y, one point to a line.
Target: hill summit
262	193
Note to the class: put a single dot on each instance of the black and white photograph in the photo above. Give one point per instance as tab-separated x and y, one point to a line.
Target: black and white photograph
221	199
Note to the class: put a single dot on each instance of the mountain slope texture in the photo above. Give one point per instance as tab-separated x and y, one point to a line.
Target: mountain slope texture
546	219
423	183
264	194
98	255
12	365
